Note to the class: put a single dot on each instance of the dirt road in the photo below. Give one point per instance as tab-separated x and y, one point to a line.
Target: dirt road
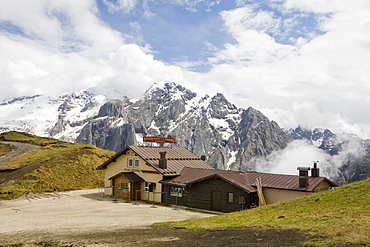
18	149
77	218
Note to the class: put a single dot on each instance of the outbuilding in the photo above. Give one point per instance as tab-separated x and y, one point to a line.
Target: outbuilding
229	191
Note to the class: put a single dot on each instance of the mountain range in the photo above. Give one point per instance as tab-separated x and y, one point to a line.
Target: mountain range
229	137
352	152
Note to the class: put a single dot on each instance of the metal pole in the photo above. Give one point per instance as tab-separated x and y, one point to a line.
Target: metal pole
153	201
136	202
176	201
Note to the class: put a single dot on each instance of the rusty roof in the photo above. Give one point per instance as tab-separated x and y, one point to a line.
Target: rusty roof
177	158
246	180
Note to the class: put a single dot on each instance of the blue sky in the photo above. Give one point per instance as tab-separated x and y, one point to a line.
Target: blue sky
299	62
175	33
180	33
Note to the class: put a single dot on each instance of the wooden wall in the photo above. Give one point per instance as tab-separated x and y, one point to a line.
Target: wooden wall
199	195
122	194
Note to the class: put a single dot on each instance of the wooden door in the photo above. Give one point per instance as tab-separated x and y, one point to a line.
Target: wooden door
216	200
135	194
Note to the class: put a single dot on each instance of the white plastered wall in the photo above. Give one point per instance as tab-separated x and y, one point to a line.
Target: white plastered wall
276	195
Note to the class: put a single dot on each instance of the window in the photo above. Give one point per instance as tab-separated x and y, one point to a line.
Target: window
176	191
150	187
242	200
136	163
230	197
129	162
123	186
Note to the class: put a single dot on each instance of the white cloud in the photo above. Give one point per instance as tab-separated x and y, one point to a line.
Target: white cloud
322	80
301	153
195	5
309	115
254	45
133	71
72	50
317	77
125	6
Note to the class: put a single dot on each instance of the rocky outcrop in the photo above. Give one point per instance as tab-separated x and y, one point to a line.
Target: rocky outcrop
102	133
114	109
211	126
229	137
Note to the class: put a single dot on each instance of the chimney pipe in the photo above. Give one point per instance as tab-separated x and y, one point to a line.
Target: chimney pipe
315	171
303	176
163	160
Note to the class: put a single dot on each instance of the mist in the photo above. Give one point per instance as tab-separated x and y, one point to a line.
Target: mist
303	153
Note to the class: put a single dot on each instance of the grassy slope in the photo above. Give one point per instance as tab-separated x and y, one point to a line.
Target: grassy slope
61	165
4	149
28	138
342	214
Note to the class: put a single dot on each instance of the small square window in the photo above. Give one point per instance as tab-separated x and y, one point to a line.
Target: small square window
150	187
176	191
129	162
136	163
123	186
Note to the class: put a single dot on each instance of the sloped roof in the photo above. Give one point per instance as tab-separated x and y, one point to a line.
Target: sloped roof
287	182
177	158
246	180
132	176
195	175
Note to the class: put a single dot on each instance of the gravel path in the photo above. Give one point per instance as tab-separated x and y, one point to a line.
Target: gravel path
78	218
18	149
81	210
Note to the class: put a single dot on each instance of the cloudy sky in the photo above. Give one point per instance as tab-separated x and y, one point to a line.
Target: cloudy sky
299	62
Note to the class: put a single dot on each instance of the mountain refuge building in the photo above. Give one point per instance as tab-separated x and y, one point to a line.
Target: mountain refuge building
175	175
135	172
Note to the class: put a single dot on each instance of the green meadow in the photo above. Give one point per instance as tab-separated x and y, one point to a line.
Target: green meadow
339	216
57	165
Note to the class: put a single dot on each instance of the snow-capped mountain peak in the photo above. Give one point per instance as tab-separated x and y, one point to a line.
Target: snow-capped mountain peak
205	125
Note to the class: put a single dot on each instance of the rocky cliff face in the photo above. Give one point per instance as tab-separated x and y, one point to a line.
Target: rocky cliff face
352	151
319	137
109	129
229	137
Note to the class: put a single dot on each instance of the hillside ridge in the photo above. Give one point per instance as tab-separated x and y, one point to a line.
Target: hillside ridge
48	166
17	149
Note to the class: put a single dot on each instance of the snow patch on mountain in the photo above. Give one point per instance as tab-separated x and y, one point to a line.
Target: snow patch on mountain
232	159
205	125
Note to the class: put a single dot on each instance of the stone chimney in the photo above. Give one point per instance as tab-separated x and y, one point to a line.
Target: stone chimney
163	160
303	176
315	171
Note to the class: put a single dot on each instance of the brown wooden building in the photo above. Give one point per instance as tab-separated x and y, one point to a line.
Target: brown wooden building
229	191
215	190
